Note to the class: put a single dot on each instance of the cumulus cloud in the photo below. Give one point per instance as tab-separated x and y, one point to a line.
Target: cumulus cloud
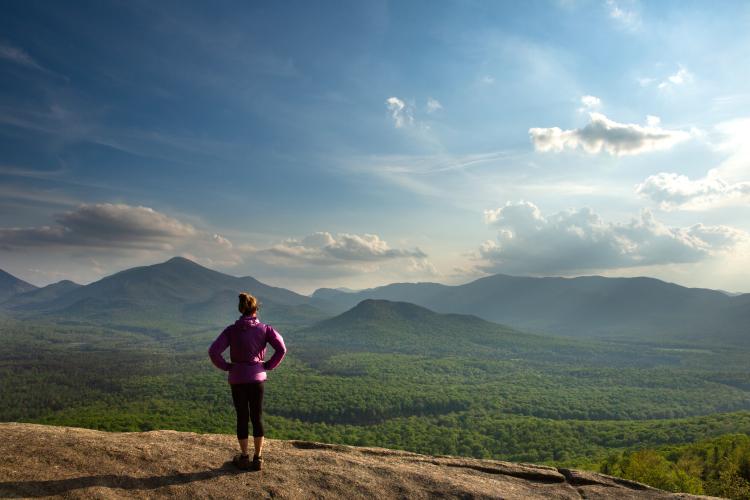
674	191
93	238
724	185
590	101
323	248
433	105
400	112
601	133
580	240
102	225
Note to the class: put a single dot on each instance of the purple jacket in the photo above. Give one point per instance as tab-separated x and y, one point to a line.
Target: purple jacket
247	339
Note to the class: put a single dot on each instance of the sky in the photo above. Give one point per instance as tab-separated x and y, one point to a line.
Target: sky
354	144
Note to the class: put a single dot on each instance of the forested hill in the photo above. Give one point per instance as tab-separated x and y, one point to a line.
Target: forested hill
382	326
187	465
10	286
589	306
401	327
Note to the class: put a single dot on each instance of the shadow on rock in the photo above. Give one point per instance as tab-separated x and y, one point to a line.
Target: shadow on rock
15	489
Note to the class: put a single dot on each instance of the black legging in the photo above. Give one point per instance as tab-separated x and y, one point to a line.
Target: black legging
248	402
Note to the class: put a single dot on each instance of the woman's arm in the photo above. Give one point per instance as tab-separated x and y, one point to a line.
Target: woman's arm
279	349
217	348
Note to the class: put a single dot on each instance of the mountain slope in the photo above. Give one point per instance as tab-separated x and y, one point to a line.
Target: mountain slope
10	286
177	290
591	306
41	296
402	327
386	327
188	465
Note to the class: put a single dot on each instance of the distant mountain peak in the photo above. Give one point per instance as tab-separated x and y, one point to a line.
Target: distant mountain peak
387	311
369	305
180	261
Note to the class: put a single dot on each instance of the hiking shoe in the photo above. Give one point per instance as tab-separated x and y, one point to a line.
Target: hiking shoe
257	463
242	462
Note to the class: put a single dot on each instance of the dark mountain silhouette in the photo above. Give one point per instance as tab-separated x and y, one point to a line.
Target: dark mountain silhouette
591	306
10	286
176	290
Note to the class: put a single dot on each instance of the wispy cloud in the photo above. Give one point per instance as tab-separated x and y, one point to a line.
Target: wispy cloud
433	105
426	165
29	173
401	113
625	12
19	56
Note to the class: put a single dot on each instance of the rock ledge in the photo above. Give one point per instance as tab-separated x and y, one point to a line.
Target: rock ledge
43	461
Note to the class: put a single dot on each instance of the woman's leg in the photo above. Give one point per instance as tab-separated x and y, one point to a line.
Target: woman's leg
241	406
255	396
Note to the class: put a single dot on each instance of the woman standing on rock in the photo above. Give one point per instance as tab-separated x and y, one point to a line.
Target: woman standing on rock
247	339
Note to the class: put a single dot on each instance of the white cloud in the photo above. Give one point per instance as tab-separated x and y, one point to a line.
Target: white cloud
653	121
681	77
487	79
590	101
601	133
579	240
400	112
674	191
323	248
433	105
625	12
422	267
724	185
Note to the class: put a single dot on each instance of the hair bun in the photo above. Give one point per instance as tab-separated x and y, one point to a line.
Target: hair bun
248	304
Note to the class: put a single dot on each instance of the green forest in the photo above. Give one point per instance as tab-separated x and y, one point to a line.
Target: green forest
637	411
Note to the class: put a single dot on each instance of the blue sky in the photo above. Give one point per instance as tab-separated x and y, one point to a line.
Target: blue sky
359	143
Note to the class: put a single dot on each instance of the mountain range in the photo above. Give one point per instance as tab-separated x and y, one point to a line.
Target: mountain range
182	291
588	306
177	291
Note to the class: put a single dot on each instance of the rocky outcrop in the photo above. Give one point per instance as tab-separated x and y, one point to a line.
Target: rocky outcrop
40	461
